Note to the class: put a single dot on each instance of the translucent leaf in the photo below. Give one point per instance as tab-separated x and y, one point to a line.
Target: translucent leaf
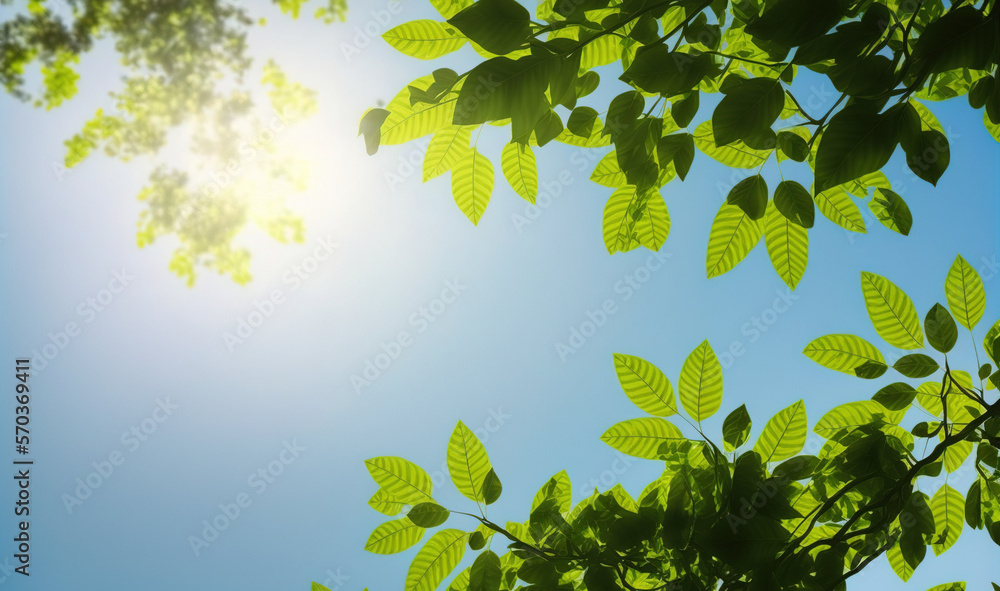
844	352
468	463
948	506
402	479
394	536
892	312
645	385
641	437
436	560
424	39
787	245
519	167
472	184
964	290
445	150
784	435
732	237
700	383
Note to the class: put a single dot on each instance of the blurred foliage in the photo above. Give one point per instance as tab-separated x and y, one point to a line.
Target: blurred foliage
735	513
539	73
185	64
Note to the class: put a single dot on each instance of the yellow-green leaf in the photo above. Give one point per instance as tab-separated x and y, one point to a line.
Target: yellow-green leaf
892	312
407	122
836	204
384	503
964	290
700	383
518	164
436	560
468	463
948	507
843	352
608	173
734	154
445	150
641	437
424	39
787	245
394	536
645	385
402	479
654	225
472	184
784	435
732	237
618	222
449	8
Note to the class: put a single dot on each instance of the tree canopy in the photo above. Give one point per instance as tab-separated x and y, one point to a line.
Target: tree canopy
185	64
737	513
751	61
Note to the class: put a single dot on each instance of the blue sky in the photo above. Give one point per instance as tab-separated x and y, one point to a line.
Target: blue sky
284	399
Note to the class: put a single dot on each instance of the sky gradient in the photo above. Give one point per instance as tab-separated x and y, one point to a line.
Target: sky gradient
210	415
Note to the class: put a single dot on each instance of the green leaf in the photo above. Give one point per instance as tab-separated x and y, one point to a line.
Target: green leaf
402	479
844	352
485	573
581	121
750	195
948	506
732	237
502	88
916	365
735	154
793	22
959	586
445	150
679	149
747	110
477	540
683	110
793	145
436	560
928	155
472	184
468	463
371	127
658	70
795	203
857	141
645	385
428	515
892	211
491	487
964	290
559	489
784	435
518	163
499	26
961	38
838	207
383	502
424	39
787	244
700	383
394	536
941	330
891	312
736	428
895	396
641	437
